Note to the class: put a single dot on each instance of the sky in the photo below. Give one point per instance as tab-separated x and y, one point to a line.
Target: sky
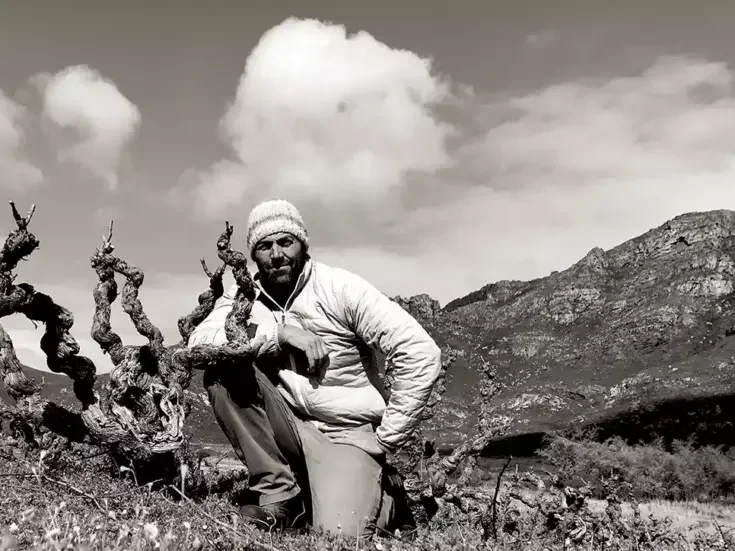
431	147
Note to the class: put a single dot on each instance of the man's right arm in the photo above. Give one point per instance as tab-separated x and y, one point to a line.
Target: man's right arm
212	329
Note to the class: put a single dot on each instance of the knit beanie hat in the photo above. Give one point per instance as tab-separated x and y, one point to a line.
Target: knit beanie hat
275	216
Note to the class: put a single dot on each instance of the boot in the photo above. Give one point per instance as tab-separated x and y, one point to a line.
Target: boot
280	515
403	519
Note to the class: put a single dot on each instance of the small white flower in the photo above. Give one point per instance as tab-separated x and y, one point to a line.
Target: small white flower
151	530
13	528
187	525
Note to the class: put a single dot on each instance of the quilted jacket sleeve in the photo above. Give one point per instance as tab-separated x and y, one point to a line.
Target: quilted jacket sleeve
212	329
415	357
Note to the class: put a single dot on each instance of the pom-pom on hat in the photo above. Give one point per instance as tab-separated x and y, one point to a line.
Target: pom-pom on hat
275	216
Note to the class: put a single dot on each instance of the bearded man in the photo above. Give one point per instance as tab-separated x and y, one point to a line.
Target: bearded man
310	419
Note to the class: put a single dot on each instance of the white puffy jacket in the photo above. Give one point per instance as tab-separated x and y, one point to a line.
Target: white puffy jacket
353	318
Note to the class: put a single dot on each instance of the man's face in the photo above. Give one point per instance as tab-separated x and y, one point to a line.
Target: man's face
280	257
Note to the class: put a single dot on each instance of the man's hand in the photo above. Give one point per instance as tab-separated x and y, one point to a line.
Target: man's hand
309	343
363	439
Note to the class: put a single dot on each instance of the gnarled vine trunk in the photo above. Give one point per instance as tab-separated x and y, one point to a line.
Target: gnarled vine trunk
143	413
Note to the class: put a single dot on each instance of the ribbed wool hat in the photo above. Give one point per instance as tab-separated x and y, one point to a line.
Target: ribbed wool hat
275	216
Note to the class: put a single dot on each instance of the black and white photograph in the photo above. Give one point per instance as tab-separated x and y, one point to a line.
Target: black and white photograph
367	275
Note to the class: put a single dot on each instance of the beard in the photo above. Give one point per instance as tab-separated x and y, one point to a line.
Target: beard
282	277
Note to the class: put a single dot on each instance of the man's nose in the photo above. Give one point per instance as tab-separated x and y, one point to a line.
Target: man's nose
276	252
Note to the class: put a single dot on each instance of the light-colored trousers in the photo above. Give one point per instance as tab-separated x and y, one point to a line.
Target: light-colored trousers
341	484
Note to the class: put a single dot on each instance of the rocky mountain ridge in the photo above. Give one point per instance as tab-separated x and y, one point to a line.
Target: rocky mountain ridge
636	340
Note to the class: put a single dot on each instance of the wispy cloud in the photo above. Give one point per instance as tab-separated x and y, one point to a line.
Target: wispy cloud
16	173
327	118
99	120
541	38
577	165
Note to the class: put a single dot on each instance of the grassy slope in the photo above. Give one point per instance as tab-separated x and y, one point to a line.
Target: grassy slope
60	501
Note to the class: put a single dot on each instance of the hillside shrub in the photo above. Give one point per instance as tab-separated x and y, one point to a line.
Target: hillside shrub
681	472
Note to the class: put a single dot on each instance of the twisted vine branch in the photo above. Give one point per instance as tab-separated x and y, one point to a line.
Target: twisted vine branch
426	474
206	301
148	382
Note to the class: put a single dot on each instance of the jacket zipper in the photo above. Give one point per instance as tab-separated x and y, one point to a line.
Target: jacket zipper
291	359
284	311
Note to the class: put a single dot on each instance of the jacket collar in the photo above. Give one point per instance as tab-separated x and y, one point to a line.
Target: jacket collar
304	277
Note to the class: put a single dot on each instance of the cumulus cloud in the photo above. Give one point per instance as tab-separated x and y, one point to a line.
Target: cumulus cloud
101	119
325	117
16	173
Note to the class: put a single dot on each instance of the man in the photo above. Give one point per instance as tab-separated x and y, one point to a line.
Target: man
310	420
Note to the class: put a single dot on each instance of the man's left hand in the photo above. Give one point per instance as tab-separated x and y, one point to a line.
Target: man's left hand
363	439
373	448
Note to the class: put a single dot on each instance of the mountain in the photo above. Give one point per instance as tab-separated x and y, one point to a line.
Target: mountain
637	341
